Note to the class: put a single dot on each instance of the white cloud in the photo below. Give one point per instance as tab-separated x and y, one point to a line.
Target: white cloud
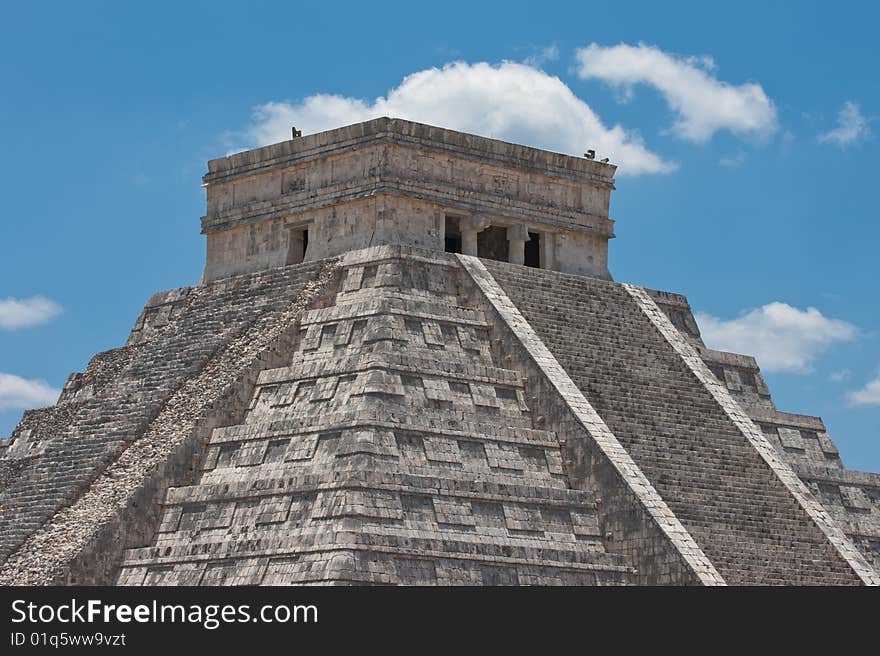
840	376
510	101
851	127
20	393
704	103
781	337
868	395
16	313
544	55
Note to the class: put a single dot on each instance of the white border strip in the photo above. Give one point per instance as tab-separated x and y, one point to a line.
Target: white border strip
747	427
587	416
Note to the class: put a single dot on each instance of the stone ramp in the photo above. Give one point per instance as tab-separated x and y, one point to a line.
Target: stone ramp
392	449
741	514
852	498
382	420
182	349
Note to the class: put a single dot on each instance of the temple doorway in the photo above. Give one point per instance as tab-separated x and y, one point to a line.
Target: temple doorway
297	245
533	251
452	235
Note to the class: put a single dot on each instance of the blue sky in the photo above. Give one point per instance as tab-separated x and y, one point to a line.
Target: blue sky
746	138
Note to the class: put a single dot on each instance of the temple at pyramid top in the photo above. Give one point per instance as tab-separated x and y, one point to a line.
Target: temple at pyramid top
390	181
352	397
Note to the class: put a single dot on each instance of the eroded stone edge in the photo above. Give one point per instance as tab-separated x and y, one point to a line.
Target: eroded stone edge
45	556
653	504
753	434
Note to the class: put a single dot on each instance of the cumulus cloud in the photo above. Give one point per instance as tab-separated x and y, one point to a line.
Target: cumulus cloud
20	393
868	395
781	337
511	101
704	103
851	128
15	313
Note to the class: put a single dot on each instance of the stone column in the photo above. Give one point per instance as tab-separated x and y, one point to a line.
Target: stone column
439	232
548	251
468	241
517	236
470	227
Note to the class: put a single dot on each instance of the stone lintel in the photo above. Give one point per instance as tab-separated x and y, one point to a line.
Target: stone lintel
409	133
291	204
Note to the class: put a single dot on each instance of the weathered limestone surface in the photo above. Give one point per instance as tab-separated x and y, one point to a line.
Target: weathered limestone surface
342	402
756	439
851	497
739	510
392	448
635	520
390	181
853	500
84	482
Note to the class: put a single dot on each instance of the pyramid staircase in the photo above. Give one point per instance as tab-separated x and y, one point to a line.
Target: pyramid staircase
393	449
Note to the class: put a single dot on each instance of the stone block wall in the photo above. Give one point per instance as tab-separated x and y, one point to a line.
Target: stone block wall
391	448
634	520
390	181
404	416
850	497
736	507
134	423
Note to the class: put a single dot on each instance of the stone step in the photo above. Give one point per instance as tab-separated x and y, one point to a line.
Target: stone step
415	308
259	485
324	543
386	359
450	425
391	432
706	470
156	367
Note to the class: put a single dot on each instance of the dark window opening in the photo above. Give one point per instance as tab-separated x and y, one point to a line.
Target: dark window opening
297	246
452	239
533	251
719	372
747	378
492	243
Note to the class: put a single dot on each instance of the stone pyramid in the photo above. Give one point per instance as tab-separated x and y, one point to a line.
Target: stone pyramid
407	363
